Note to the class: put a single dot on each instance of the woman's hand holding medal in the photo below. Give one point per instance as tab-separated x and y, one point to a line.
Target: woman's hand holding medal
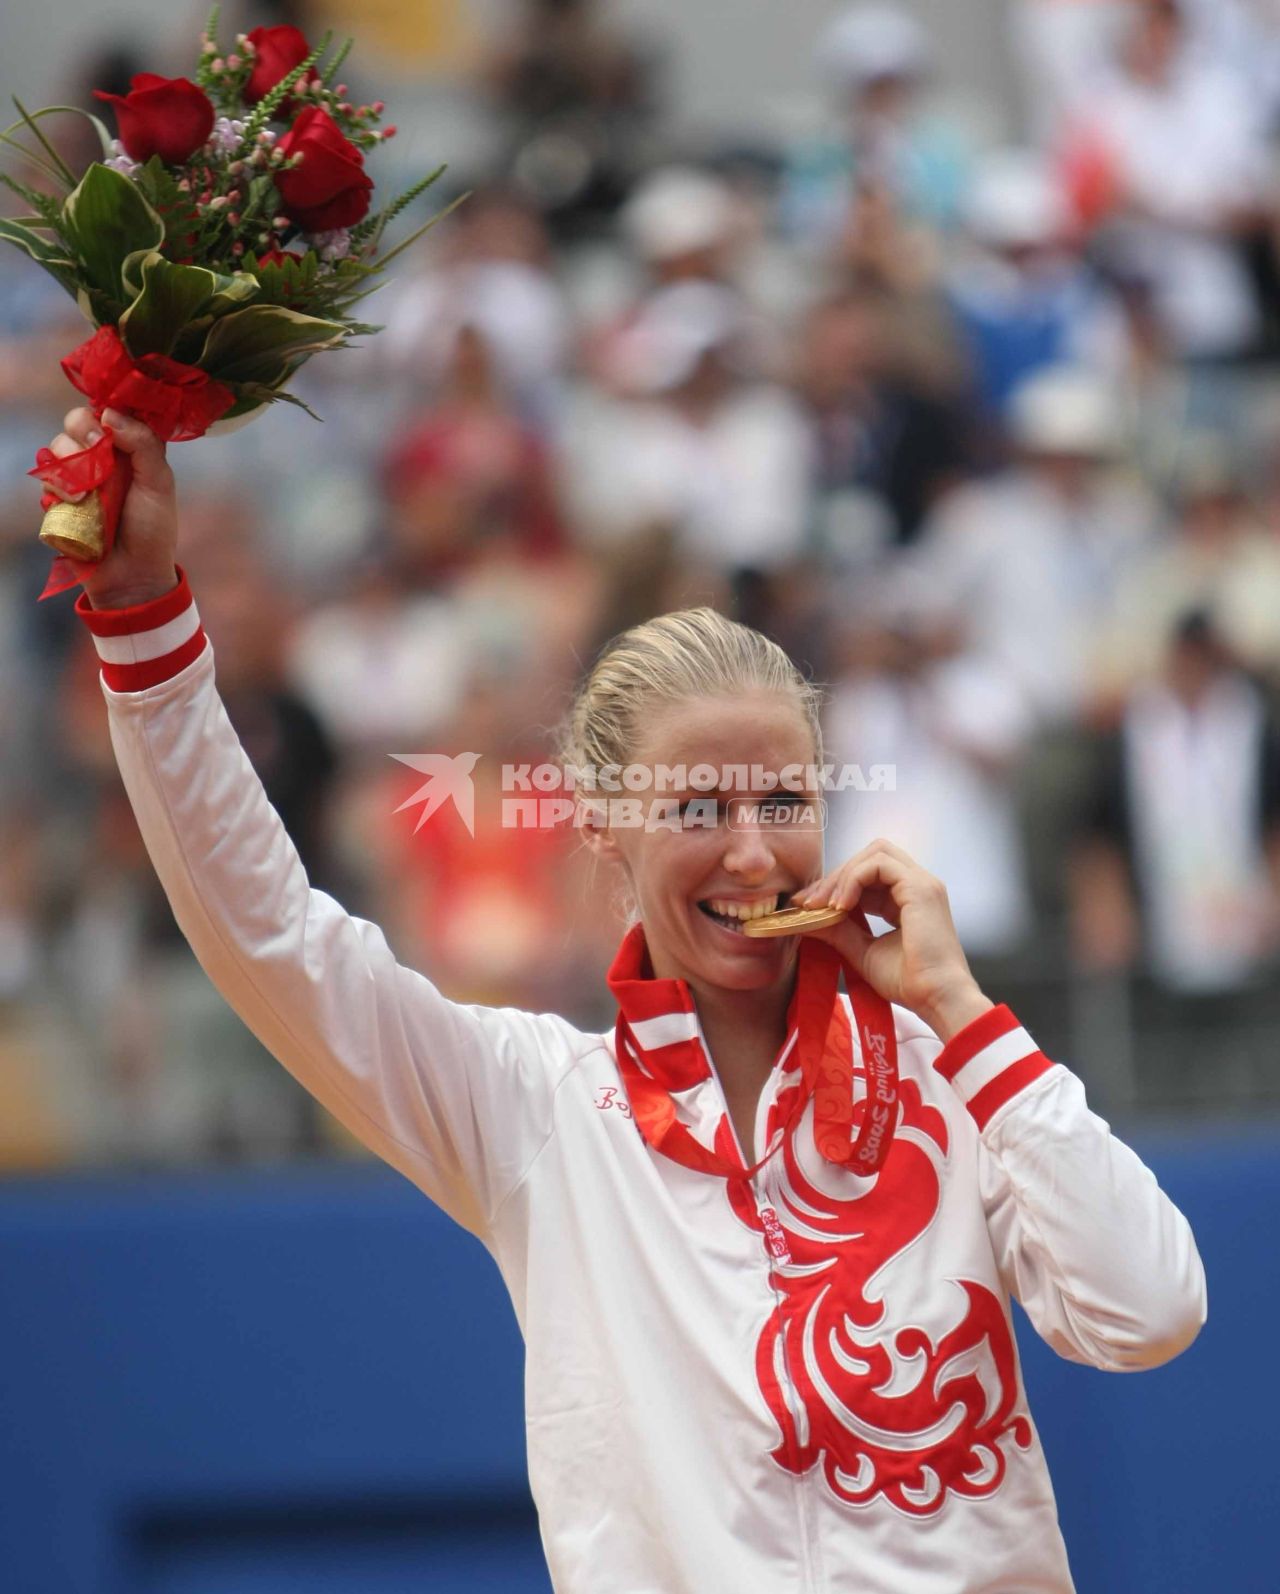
919	963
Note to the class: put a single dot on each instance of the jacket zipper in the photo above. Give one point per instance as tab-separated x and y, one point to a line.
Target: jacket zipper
777	1251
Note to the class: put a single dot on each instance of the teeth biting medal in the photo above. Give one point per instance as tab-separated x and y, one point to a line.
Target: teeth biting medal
794	921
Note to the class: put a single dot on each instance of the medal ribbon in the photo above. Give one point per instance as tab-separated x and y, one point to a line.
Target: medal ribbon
826	1053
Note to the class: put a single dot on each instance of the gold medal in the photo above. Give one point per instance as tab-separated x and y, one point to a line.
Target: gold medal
794	921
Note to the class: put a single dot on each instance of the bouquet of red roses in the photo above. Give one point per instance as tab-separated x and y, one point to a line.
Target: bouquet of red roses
225	236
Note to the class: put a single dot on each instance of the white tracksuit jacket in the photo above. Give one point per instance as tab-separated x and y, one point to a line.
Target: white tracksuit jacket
703	1416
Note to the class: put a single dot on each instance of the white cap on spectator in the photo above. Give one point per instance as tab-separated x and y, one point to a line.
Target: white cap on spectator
677	328
1065	409
870	42
515	309
519	314
678	211
1016	201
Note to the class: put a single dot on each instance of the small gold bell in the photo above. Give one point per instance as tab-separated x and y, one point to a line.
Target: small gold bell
77	530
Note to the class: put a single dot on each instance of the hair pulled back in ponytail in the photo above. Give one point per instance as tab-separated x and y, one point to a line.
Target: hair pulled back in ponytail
675	658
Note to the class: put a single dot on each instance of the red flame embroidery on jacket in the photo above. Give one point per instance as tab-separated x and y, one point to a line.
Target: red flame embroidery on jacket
889	1414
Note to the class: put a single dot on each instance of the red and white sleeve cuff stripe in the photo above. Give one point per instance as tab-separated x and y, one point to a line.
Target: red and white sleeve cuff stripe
990	1061
148	643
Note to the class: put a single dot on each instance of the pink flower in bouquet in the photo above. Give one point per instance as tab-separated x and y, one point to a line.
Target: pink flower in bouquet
165	116
329	188
276	52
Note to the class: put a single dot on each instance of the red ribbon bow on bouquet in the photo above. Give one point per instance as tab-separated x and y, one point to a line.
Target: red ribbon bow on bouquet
178	402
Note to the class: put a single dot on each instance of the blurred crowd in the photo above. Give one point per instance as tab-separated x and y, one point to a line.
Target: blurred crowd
985	432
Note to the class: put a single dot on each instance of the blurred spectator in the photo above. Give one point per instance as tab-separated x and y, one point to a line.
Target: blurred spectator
683	225
278	728
1029	561
1168	153
878	430
383	667
474	541
575	99
952	730
718	456
871	194
1063	47
1217	559
680	222
468	469
1022	298
1244	35
1180	846
490	273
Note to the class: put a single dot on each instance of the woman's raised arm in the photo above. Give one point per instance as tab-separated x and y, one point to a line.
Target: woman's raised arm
458	1098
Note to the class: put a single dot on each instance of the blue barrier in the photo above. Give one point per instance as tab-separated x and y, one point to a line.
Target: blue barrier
310	1380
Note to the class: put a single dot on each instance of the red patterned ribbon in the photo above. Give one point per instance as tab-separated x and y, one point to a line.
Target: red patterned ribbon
178	402
825	1049
828	1069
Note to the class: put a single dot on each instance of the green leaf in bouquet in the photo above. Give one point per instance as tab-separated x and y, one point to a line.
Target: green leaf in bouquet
58	173
48	254
178	211
372	228
45	206
344	282
291	282
190	342
32	124
98	307
300	273
258	344
254	395
233	293
419	232
170	298
330	72
30	121
131	272
105	220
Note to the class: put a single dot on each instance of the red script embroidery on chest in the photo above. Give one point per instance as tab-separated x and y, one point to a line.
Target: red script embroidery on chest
887	1414
609	1098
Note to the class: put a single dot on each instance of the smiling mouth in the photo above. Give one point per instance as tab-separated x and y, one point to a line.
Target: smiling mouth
732	916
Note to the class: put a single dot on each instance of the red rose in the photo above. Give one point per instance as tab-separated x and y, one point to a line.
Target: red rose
278	51
165	116
329	188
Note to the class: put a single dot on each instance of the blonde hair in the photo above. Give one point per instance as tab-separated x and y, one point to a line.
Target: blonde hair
674	658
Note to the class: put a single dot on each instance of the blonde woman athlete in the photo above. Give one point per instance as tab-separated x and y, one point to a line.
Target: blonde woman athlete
761	1237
